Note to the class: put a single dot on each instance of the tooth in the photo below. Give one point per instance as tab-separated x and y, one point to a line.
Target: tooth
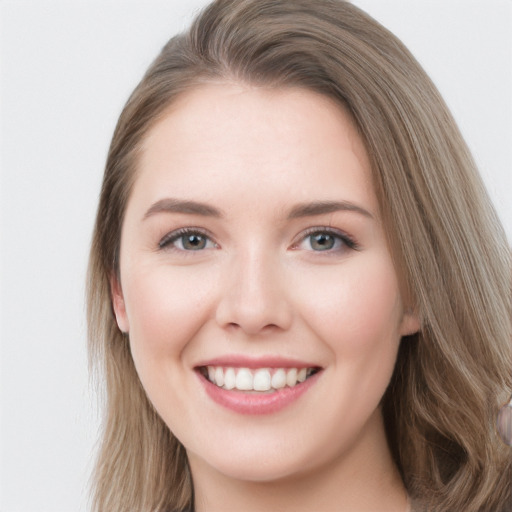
279	379
219	376
244	380
262	380
229	378
291	377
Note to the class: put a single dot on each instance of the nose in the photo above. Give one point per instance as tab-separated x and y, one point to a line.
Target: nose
254	296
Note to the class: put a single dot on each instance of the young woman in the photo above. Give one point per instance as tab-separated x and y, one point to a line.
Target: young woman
299	293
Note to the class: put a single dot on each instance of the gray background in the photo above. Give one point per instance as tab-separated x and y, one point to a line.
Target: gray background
67	68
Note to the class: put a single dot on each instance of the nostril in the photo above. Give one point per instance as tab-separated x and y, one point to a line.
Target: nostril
253	329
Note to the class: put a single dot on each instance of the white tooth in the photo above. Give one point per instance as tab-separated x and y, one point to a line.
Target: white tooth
262	380
279	379
244	380
229	378
301	375
219	376
211	373
291	377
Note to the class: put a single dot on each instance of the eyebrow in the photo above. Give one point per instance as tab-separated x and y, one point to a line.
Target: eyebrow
323	207
170	205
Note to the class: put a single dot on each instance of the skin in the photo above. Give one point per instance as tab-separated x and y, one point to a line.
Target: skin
261	287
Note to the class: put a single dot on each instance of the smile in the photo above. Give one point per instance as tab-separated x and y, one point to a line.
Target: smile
256	379
263	385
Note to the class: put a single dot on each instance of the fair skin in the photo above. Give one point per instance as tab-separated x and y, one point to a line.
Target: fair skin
285	263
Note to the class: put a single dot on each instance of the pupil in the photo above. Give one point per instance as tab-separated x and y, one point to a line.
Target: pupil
194	242
322	242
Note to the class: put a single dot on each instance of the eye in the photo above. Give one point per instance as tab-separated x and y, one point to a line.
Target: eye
325	240
187	240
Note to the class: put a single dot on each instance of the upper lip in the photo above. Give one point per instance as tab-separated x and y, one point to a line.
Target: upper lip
243	361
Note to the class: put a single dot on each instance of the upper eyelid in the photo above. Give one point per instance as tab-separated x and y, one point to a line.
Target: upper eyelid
327	229
321	229
171	236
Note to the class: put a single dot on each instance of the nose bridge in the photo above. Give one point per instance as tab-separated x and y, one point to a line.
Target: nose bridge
253	296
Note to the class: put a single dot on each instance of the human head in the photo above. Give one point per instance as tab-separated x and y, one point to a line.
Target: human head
442	231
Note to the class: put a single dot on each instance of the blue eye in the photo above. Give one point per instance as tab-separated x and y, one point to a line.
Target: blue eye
322	241
325	241
187	240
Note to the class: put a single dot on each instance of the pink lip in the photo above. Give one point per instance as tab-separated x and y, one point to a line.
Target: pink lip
256	403
241	361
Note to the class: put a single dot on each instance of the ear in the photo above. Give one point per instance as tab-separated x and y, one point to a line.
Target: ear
411	322
118	304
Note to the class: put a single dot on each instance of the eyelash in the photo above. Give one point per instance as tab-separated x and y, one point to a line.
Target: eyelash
169	239
346	240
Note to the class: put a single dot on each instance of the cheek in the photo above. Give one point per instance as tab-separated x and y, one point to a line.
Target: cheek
165	305
358	320
358	308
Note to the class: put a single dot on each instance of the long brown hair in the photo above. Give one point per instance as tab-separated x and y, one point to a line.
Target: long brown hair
449	249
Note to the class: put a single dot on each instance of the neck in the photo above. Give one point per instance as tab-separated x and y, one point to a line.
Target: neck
362	479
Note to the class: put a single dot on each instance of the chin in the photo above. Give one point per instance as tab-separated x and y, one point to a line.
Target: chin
252	462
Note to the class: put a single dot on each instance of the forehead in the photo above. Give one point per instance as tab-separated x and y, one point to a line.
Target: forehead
230	136
214	109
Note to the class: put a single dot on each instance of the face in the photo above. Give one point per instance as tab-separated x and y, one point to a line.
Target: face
256	284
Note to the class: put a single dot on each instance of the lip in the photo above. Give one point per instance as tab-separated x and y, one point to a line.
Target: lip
256	403
242	361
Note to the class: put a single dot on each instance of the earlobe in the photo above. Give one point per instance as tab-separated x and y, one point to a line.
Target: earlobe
411	323
118	304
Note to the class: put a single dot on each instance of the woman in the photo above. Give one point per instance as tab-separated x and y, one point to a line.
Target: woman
299	293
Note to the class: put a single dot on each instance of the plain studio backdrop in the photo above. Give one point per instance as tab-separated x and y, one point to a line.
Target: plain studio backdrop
67	68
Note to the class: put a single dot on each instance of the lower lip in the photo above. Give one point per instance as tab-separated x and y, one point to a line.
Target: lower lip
257	403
